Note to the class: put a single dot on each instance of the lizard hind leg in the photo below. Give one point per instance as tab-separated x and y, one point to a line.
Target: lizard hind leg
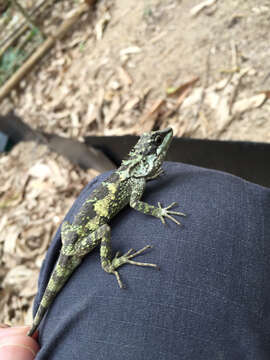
110	265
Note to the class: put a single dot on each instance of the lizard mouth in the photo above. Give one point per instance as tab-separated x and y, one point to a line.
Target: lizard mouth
166	135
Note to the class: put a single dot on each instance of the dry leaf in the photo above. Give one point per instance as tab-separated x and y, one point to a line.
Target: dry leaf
148	120
267	93
224	106
249	103
130	51
101	25
20	277
125	76
132	103
177	91
184	92
198	8
114	110
10	237
40	170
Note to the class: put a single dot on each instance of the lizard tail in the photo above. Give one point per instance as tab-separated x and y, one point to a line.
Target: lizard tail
39	315
47	298
55	284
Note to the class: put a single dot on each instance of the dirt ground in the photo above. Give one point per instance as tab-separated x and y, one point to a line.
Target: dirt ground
127	55
80	87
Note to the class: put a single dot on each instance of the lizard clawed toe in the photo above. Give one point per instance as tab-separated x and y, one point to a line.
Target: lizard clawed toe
118	279
126	259
165	212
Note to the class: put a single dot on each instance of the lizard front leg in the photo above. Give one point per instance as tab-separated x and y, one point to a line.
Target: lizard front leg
148	209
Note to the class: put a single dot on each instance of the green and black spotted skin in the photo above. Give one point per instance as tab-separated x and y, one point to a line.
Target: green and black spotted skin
90	226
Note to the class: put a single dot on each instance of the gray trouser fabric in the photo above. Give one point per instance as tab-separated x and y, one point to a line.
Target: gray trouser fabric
211	297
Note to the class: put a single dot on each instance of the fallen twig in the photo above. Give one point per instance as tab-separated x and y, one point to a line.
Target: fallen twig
46	46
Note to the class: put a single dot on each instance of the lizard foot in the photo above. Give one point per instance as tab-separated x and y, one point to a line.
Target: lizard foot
166	212
157	174
126	259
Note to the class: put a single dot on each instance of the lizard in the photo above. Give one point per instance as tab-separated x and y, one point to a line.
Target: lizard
90	227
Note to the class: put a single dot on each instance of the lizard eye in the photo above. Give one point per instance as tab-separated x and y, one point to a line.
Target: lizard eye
158	140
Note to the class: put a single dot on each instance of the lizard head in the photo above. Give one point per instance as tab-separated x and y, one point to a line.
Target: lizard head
147	156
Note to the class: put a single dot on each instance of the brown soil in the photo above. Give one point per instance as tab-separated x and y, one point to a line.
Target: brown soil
79	89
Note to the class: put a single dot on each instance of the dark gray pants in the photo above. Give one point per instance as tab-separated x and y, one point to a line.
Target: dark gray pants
210	299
